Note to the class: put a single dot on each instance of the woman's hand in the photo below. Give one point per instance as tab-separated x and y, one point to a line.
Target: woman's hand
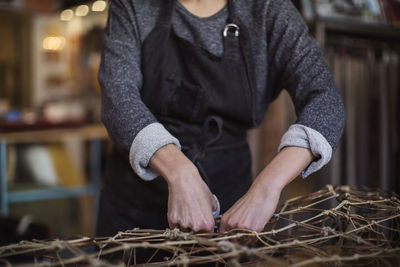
252	211
190	202
258	205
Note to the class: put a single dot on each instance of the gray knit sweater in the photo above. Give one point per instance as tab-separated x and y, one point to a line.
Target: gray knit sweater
285	56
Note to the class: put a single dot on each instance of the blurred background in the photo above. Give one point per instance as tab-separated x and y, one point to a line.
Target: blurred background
53	147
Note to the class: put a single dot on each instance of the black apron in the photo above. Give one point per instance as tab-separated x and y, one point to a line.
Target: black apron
207	103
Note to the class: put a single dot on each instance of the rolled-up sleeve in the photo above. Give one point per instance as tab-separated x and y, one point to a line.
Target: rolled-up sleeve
123	112
296	64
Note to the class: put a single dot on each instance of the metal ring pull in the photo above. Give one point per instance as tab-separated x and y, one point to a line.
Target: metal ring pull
231	26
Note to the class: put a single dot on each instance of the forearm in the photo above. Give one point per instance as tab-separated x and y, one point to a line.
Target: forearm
172	164
285	166
122	111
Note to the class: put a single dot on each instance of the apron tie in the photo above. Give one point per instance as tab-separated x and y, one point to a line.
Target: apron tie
197	152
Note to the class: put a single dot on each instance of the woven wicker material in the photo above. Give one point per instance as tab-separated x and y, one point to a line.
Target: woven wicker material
335	225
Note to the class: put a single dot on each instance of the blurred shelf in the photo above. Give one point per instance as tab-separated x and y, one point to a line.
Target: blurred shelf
358	28
93	133
53	135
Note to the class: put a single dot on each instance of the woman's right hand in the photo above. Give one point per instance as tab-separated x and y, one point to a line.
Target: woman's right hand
190	202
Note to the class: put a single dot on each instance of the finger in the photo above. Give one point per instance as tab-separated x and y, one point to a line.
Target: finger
223	227
233	223
171	224
185	229
184	225
246	224
173	221
222	224
204	228
209	225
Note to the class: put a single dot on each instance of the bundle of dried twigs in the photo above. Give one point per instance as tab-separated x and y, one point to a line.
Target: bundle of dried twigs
335	225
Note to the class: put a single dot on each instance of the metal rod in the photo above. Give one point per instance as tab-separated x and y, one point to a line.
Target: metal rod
50	193
95	160
95	173
3	178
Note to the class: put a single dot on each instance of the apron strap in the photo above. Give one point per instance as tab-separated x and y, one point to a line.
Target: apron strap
232	15
165	15
231	34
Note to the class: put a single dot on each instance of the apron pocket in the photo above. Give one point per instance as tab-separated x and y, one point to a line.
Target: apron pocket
187	100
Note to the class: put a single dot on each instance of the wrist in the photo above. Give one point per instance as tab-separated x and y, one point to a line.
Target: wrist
172	164
285	167
268	184
180	172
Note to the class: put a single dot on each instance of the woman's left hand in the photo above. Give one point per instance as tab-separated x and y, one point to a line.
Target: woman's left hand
252	211
258	205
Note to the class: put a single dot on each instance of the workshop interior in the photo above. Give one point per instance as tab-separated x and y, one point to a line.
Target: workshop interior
54	147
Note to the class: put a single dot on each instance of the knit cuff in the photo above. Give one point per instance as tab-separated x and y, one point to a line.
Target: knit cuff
303	136
146	143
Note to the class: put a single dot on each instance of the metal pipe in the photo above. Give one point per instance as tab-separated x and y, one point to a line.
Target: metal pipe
3	178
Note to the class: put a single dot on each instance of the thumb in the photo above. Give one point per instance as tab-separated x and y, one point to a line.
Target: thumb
222	227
